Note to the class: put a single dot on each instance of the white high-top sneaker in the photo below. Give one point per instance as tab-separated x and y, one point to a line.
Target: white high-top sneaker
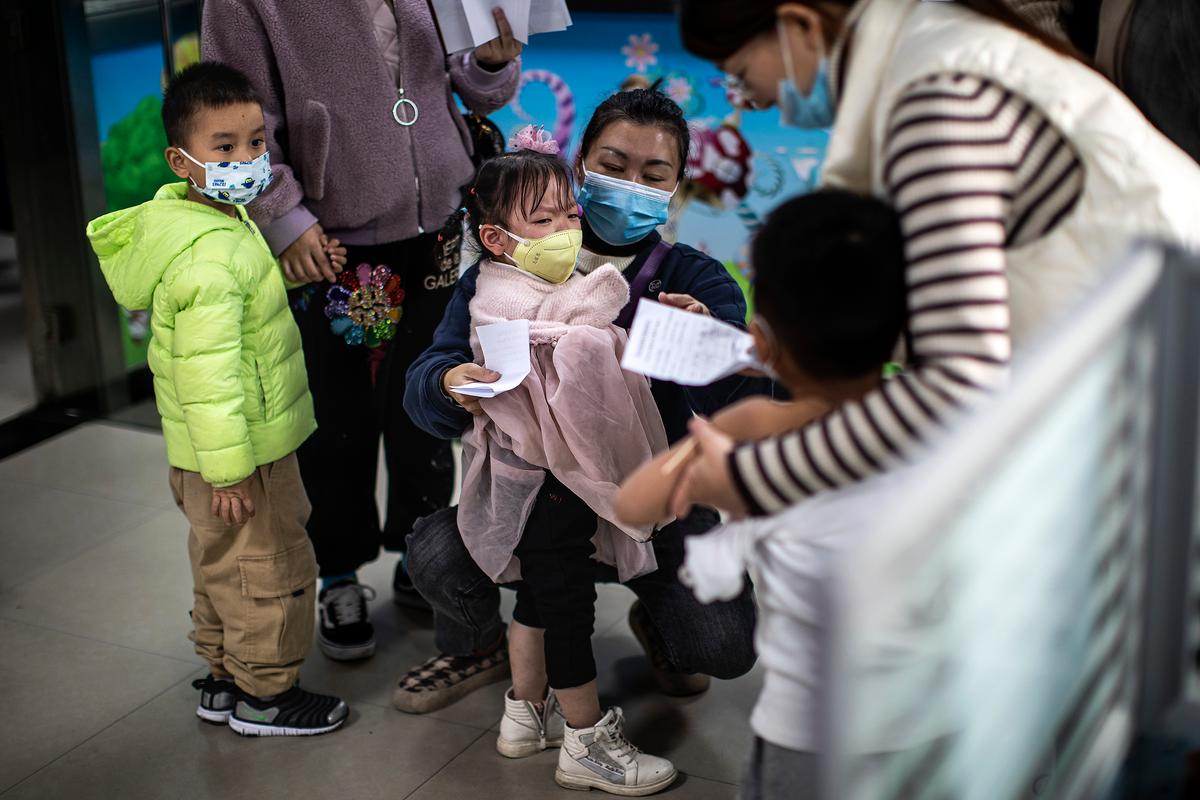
525	732
602	758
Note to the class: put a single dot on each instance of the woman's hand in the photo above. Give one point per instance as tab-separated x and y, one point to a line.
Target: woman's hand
336	252
467	373
706	479
684	301
307	260
501	50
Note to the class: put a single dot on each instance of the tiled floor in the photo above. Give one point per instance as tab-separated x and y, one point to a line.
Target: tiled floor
96	668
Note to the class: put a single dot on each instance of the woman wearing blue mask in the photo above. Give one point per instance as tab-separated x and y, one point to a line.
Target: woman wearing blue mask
1018	174
632	158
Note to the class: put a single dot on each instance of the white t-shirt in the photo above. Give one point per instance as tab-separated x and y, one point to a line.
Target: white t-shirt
789	555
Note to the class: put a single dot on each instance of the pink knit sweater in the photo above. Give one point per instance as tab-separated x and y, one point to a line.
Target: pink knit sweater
577	414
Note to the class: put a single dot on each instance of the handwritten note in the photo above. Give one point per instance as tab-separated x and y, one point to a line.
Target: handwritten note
670	344
465	24
505	350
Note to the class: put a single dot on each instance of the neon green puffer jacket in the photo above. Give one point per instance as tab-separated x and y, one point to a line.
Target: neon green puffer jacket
228	370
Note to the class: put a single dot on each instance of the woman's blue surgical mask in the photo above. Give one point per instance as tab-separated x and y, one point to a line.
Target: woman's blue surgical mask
798	110
233	182
622	212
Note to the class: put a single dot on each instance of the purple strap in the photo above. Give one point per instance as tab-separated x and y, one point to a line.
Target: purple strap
641	282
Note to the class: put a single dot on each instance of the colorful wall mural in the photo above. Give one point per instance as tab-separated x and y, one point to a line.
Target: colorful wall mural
750	163
127	85
567	74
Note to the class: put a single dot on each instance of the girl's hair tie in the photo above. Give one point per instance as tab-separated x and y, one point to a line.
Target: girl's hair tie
535	138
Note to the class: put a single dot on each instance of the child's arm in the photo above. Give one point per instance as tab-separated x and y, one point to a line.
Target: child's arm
645	495
206	359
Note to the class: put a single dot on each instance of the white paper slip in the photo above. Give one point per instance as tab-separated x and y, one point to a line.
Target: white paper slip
465	24
505	350
670	344
483	25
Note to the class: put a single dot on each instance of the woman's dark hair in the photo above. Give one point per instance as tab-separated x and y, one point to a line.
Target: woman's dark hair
716	29
641	107
829	281
513	181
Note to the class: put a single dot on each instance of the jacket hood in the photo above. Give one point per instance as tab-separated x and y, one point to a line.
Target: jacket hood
136	245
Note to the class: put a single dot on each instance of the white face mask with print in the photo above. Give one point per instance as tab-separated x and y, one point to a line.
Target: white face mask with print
233	182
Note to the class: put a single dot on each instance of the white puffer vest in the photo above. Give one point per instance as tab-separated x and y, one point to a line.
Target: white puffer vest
1137	183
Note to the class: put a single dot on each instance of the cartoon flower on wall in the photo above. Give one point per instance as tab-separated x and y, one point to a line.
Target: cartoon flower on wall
680	90
639	53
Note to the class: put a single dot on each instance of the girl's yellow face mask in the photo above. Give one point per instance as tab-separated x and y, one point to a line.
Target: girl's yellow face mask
551	258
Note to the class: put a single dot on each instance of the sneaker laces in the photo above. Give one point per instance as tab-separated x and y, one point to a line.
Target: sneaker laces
616	734
349	602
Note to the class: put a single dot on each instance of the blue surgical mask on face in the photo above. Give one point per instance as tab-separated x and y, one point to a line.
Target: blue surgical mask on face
798	110
622	212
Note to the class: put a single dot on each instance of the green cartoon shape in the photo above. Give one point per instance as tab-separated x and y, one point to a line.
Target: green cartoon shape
132	155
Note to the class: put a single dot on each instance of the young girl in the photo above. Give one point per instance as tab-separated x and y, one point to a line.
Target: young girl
542	464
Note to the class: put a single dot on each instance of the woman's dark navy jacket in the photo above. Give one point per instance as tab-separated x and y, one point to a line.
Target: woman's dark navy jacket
684	270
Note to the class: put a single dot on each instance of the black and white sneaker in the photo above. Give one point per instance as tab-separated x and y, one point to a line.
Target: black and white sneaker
293	713
346	632
217	699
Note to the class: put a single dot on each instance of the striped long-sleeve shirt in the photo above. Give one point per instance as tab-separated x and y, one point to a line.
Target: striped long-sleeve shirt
972	170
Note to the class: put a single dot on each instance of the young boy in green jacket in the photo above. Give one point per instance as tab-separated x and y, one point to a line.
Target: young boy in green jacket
232	391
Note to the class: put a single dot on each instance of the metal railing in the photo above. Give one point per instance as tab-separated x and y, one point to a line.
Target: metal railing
1022	610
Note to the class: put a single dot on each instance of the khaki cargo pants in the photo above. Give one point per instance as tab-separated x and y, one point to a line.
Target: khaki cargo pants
254	585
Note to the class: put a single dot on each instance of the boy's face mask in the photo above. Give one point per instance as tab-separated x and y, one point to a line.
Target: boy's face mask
233	182
551	258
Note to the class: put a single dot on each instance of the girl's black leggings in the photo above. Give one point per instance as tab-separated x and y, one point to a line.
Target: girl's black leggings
558	590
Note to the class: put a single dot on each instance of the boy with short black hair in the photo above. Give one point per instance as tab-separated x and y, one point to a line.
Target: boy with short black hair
232	391
830	302
830	298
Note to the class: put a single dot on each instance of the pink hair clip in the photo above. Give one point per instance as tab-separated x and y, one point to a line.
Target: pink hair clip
535	138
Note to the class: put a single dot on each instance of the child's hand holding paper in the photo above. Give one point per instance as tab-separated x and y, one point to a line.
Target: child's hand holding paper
506	351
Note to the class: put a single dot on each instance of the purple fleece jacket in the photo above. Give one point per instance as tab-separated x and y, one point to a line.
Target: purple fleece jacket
337	154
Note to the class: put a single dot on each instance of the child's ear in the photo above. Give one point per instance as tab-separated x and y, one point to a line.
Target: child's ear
177	162
764	345
492	238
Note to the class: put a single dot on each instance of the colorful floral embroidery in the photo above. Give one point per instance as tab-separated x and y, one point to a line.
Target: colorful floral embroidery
364	305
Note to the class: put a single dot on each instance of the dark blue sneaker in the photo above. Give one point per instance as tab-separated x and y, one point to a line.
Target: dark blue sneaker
293	713
217	699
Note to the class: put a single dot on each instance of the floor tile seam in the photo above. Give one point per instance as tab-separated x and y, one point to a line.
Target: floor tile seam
105	422
147	513
433	716
724	781
107	727
445	766
125	425
609	629
91	495
94	640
